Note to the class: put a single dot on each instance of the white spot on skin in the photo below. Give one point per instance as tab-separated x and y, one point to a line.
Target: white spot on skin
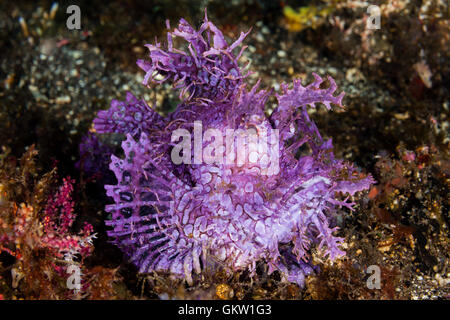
214	170
315	180
222	254
182	243
226	202
259	240
232	232
255	170
197	227
292	128
203	224
188	229
185	217
238	211
206	177
248	187
260	228
184	201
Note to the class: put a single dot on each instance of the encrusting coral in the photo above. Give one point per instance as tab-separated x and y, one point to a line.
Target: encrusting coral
275	205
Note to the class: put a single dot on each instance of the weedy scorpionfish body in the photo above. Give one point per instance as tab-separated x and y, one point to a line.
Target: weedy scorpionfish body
274	207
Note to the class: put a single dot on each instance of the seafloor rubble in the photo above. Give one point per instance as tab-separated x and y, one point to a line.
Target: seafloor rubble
394	126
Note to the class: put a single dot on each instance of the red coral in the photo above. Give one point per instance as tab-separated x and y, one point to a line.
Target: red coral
58	218
40	239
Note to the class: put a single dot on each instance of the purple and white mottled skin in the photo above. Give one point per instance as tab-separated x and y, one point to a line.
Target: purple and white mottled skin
176	218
